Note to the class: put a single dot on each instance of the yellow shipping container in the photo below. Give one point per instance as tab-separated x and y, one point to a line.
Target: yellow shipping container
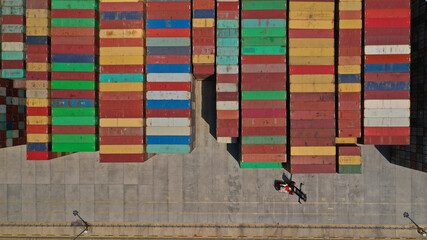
39	138
203	22
121	33
311	15
38	31
130	122
120	87
37	13
311	24
39	120
175	131
127	149
309	52
349	87
311	6
350	160
350	6
38	67
121	51
342	140
312	43
38	102
349	69
314	78
312	87
203	58
311	60
38	84
351	24
37	22
121	60
316	151
121	1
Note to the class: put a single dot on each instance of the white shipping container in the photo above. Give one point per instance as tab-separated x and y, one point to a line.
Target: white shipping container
164	122
227	105
227	69
387	49
165	131
169	77
37	93
2	91
168	95
2	108
386	122
387	104
387	113
226	87
13	46
226	140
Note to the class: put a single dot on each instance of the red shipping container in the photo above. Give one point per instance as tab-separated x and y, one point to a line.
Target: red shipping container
168	59
120	7
313	168
387	77
121	158
78	76
45	76
264	122
387	131
312	133
121	131
121	42
227	123
227	78
227	96
312	114
39	155
227	132
387	140
72	93
37	4
386	4
120	96
349	151
263	149
41	129
263	104
74	129
263	113
112	69
313	141
387	94
172	113
121	140
121	24
38	111
263	131
227	15
13	37
313	160
264	157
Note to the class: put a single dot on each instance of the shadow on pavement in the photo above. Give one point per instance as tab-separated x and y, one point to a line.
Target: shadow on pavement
209	103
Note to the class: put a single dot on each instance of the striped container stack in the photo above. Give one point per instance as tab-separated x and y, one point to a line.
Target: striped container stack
169	96
312	86
74	51
227	73
39	119
387	77
13	41
349	159
122	80
414	155
203	38
263	84
349	71
12	114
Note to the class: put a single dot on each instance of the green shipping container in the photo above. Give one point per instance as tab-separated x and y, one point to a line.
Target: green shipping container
75	4
350	169
263	5
264	50
260	165
74	112
75	138
263	95
74	85
264	41
263	32
74	67
263	140
75	121
74	22
74	147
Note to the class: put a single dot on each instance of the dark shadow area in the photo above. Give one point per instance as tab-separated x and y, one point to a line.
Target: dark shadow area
233	149
286	179
209	103
385	150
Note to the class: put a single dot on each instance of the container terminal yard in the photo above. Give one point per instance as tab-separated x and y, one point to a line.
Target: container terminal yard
203	119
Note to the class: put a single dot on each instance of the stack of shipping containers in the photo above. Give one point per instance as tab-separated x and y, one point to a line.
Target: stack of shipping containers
169	110
349	159
227	73
263	84
39	119
74	50
387	77
312	86
203	38
12	114
414	155
13	41
349	81
122	80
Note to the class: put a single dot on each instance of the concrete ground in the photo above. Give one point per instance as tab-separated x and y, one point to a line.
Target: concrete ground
206	186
